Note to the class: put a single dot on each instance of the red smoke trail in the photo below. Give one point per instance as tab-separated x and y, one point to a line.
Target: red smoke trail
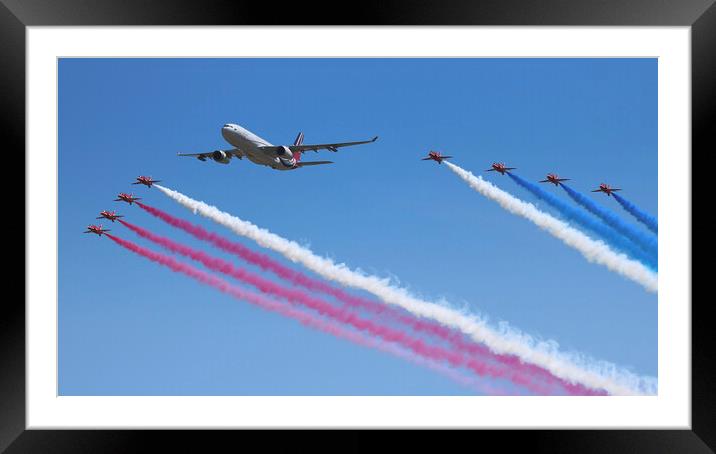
303	317
264	262
297	278
344	315
416	345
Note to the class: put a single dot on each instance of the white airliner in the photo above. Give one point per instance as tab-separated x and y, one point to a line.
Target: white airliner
260	151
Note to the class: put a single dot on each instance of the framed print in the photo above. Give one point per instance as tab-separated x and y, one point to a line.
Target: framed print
384	220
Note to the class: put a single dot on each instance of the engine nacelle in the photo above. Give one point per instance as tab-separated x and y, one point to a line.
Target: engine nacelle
221	157
284	153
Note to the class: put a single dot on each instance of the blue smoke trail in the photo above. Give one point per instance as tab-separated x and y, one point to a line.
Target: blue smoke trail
641	216
646	241
582	219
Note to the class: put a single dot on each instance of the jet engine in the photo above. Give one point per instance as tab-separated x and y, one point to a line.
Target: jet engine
221	157
285	153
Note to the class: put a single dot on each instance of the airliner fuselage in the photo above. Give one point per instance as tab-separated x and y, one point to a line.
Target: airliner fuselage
262	152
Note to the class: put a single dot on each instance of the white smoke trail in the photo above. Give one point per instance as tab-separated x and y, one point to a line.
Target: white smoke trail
593	250
571	367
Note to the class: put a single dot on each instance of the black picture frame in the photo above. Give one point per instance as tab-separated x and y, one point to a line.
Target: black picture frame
16	15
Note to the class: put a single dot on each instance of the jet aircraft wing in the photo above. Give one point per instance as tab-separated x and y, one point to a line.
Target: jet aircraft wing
325	146
208	155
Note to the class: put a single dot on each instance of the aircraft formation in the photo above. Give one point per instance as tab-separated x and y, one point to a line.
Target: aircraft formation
501	168
638	263
121	197
288	157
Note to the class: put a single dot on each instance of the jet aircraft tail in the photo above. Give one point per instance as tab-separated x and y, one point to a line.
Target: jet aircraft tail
299	139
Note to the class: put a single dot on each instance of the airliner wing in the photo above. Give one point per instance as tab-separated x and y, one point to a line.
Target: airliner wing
312	163
327	146
208	155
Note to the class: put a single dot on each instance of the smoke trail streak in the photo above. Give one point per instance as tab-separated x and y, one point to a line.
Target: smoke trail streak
264	262
312	321
428	353
641	216
593	250
476	384
521	376
583	219
425	326
572	367
645	241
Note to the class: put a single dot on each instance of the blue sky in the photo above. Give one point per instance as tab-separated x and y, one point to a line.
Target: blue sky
130	327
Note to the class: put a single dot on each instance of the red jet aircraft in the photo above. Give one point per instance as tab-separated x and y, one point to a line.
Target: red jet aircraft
554	179
96	229
435	156
146	181
500	167
606	189
111	215
129	198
